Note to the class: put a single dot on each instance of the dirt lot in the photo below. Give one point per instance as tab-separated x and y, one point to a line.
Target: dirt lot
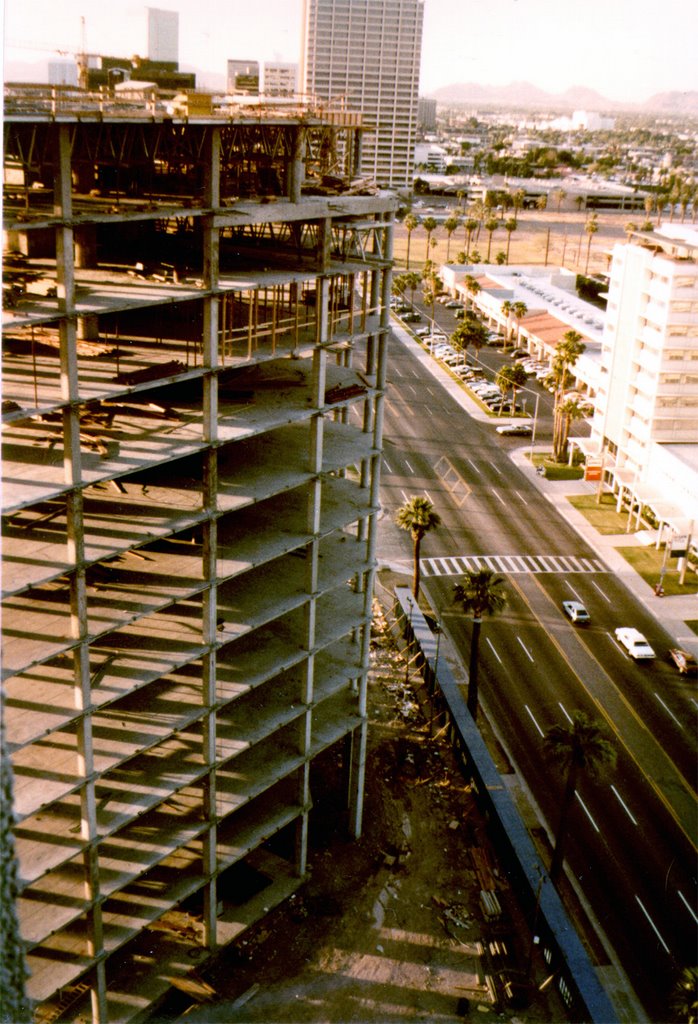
561	235
389	927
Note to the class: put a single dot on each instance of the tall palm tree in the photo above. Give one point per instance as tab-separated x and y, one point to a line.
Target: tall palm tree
570	410
410	223
517	201
519	311
542	202
510	225
591	227
430	224
470	226
451	224
419	517
507	309
579	749
412	282
472	287
479	593
567	352
491	225
559	195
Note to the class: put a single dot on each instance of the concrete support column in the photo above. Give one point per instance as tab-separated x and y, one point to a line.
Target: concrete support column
296	166
86	246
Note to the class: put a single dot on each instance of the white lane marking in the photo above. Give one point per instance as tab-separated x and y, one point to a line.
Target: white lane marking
496	469
396	369
623	804
531	716
429	411
530	656
520	496
668	710
430	392
604	595
574	591
407	463
654	927
694	702
688	906
565	712
474	466
498	496
414	373
428	497
587	812
404	496
385	463
493	650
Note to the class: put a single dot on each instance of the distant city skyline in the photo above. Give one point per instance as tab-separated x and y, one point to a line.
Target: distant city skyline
627	50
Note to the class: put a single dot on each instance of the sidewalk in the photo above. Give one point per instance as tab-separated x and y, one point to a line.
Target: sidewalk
671	612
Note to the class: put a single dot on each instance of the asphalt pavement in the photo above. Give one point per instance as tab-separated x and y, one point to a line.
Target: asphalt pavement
672	612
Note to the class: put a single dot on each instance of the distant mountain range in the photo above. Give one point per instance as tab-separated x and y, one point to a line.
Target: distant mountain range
523	94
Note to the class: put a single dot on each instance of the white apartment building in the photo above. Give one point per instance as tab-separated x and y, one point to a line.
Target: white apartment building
648	387
364	55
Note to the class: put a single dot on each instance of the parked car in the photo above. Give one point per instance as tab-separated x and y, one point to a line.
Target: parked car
423	332
412	317
459	314
634	642
516	429
454	304
686	663
576	611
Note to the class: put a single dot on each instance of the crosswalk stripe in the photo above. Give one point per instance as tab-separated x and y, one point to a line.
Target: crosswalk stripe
458	565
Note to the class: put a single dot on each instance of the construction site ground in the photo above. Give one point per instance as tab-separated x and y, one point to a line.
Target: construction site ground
389	927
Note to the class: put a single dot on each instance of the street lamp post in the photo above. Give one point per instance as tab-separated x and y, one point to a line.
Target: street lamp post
535	424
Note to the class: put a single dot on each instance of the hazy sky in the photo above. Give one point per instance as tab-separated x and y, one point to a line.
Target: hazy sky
626	49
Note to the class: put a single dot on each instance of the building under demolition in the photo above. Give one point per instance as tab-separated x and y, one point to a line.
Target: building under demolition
194	358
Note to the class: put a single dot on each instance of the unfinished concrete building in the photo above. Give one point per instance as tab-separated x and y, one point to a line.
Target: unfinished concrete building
194	359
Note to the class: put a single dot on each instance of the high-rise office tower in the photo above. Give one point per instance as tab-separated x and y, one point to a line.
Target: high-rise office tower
365	55
163	35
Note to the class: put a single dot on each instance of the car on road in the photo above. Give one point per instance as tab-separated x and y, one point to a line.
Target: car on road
686	663
576	611
515	429
634	642
412	317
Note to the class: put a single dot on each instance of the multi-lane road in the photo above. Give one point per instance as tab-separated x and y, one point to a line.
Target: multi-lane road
631	846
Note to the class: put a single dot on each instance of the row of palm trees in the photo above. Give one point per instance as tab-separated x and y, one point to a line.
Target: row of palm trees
580	748
479	216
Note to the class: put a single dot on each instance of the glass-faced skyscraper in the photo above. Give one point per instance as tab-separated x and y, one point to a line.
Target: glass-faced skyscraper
365	56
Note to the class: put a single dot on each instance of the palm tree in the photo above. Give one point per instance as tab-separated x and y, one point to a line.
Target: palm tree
419	517
469	332
472	287
412	282
542	202
475	256
507	309
430	224
578	749
570	410
511	377
567	352
517	201
509	226
491	225
684	999
519	310
660	202
559	195
591	227
410	223
451	224
470	226
479	593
